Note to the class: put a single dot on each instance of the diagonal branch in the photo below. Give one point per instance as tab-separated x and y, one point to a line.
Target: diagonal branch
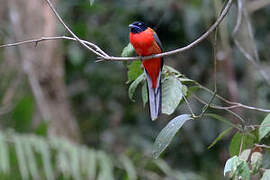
180	50
103	56
98	53
233	104
36	41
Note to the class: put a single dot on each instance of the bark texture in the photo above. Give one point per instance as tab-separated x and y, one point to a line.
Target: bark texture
43	64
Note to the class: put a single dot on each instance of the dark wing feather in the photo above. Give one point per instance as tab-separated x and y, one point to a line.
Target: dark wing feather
157	40
159	44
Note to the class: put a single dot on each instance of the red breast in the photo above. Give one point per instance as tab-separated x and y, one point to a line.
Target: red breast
145	44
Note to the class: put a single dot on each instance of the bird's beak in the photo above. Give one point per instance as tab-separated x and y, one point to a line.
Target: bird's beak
131	26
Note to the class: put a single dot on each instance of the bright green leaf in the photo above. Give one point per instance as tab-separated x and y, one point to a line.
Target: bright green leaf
134	71
220	136
128	51
248	141
235	144
168	132
266	175
144	94
134	86
265	127
171	94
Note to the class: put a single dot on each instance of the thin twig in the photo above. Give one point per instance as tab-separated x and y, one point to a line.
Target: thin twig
215	60
180	50
234	104
254	59
262	146
101	54
207	105
36	41
221	108
189	107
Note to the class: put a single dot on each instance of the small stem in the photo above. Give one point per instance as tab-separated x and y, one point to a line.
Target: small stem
189	107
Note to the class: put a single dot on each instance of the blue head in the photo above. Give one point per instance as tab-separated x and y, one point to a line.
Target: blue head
137	27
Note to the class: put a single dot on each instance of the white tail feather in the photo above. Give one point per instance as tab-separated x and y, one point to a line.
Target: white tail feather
154	96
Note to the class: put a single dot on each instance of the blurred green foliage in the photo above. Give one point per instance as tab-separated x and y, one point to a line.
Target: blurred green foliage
110	121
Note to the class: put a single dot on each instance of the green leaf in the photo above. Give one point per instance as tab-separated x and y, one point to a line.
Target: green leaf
74	157
170	70
144	94
168	132
266	175
265	127
256	162
231	164
31	160
242	171
163	165
134	71
248	141
185	90
21	158
128	51
171	94
43	148
22	114
237	168
106	167
220	136
88	162
129	167
134	86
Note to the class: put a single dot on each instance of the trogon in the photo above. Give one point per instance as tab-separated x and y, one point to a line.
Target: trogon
146	42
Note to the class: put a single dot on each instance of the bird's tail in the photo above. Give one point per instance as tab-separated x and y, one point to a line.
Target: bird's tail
154	97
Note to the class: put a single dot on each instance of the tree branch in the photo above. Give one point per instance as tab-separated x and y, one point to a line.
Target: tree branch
180	50
234	104
103	56
100	53
36	41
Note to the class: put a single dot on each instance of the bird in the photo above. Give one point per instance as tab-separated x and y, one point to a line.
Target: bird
145	41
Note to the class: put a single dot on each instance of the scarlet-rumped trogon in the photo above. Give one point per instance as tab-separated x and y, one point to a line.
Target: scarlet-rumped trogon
146	42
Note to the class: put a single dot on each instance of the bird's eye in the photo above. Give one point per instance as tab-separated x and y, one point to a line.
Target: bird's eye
139	24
